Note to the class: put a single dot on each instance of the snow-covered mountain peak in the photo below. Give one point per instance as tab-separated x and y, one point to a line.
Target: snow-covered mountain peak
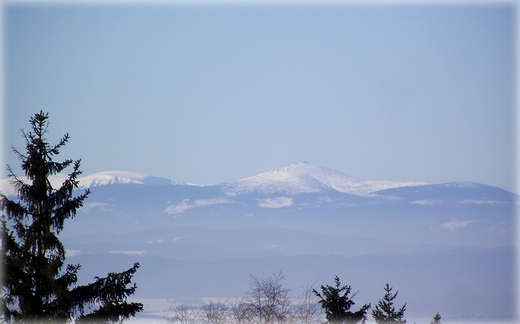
303	177
293	179
121	177
113	177
94	180
118	177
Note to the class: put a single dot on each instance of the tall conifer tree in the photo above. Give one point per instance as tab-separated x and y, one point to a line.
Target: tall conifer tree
385	312
34	287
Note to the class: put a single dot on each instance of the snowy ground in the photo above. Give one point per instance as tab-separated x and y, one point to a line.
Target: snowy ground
160	311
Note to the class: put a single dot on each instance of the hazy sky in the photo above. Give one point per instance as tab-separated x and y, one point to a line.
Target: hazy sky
213	93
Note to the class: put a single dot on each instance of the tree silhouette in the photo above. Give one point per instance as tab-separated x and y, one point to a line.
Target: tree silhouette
336	302
268	299
385	311
436	319
34	288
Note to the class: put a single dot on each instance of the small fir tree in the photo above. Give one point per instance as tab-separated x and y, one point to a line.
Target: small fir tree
34	288
436	319
336	302
385	311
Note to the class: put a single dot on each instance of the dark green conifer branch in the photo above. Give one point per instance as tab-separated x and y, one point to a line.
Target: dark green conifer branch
34	288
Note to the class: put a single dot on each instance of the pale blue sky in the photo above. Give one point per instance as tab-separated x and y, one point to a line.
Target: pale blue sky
213	93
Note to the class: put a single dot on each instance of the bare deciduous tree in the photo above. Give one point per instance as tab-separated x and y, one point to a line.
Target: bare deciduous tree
214	313
268	300
240	313
183	313
306	309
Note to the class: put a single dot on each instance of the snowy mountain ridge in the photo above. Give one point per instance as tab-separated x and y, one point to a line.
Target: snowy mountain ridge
296	178
93	180
111	177
303	177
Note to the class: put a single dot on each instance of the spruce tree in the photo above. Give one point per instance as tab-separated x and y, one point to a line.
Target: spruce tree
436	319
385	311
35	288
336	302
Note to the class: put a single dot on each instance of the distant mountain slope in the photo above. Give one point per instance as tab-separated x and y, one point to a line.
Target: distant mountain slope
95	180
456	191
120	177
307	178
436	243
297	178
305	197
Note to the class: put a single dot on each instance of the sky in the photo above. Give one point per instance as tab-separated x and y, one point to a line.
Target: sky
216	92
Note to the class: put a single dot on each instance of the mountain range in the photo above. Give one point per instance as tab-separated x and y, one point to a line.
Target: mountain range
447	247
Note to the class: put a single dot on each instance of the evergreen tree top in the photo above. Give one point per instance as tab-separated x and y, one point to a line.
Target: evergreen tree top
35	289
385	312
336	302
